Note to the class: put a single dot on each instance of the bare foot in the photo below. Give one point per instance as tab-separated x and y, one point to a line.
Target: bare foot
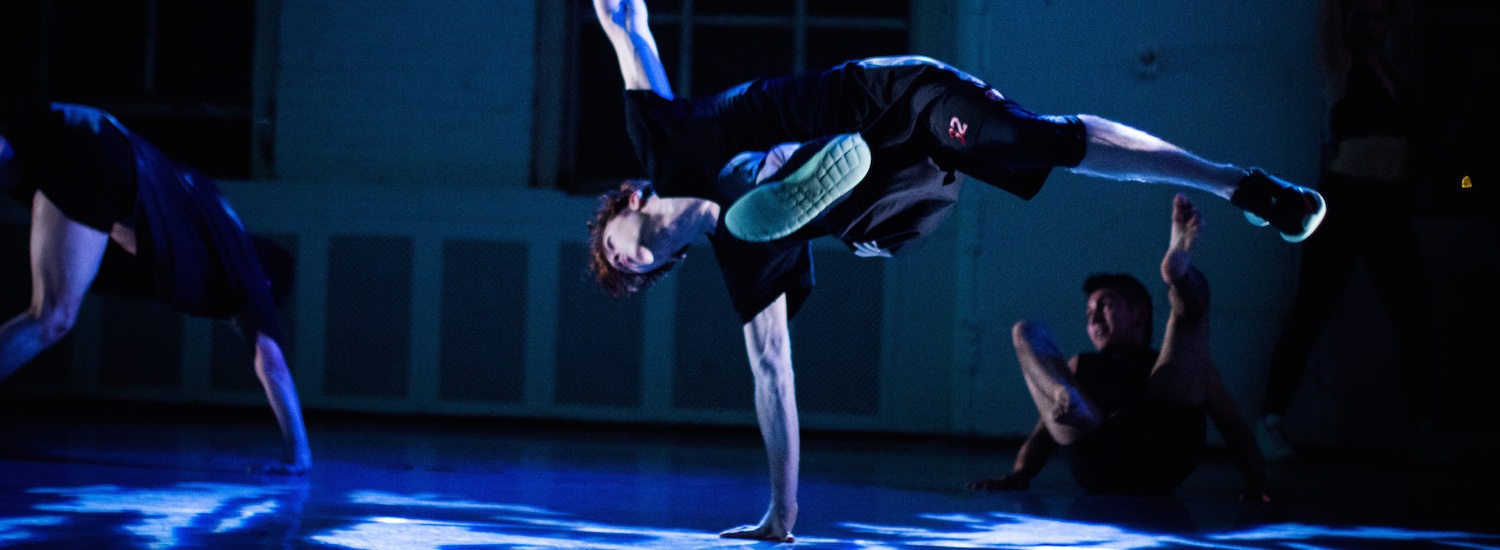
758	532
1186	222
1010	482
774	527
281	468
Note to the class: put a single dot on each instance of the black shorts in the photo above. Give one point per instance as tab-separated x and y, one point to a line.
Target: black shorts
964	125
1147	449
995	140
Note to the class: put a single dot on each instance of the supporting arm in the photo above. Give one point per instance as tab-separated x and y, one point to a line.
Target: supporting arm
1231	424
271	368
1030	460
768	343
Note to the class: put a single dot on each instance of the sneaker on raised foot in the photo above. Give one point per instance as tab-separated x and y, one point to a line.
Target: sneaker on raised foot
812	179
1293	210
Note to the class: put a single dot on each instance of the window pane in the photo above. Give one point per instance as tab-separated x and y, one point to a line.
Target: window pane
726	56
601	147
829	47
602	152
20	39
220	147
97	55
864	8
203	50
744	7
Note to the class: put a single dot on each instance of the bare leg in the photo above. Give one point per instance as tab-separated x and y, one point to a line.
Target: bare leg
1117	151
1182	371
1065	411
65	256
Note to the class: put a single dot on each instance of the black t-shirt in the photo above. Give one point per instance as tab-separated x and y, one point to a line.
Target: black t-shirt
1145	445
684	144
1116	378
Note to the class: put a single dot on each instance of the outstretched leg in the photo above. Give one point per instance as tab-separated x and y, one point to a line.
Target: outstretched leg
1120	152
65	256
1066	412
1117	151
988	137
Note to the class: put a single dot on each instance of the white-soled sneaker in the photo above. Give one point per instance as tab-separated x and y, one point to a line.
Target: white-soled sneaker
1293	210
782	205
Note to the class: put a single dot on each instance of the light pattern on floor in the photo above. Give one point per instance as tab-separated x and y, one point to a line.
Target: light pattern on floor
192	514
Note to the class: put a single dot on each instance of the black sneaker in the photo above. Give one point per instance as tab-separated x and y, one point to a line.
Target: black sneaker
1294	211
812	179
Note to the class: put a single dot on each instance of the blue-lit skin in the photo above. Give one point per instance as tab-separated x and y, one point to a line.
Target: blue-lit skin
655	231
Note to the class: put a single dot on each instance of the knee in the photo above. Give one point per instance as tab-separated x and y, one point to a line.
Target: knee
1025	333
1018	330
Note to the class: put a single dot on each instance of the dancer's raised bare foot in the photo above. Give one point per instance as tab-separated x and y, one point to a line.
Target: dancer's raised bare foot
1186	222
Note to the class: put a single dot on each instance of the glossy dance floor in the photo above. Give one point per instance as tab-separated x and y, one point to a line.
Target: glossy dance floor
122	477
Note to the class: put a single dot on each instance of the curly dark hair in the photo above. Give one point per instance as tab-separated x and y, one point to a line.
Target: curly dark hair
616	283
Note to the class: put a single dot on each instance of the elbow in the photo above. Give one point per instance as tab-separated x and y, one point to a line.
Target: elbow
272	372
1023	332
772	365
54	318
270	366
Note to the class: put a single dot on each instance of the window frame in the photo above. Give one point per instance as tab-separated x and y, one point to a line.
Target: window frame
555	156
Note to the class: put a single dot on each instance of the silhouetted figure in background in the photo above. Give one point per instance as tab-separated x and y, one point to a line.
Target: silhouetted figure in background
1368	174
